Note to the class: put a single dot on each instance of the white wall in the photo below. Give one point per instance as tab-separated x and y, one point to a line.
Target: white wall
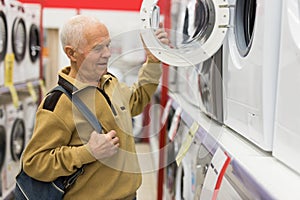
54	18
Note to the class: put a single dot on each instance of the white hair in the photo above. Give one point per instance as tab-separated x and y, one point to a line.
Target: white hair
72	33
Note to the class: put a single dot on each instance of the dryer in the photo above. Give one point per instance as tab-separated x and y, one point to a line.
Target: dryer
17	39
3	39
32	58
15	128
287	120
250	65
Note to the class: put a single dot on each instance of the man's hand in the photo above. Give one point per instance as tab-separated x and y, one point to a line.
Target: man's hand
103	145
162	35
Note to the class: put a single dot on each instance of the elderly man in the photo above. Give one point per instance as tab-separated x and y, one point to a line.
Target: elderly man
63	141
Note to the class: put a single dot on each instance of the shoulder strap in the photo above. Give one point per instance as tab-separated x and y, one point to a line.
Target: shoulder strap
82	108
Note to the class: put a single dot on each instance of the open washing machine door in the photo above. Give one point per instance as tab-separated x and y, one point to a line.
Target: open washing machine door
200	32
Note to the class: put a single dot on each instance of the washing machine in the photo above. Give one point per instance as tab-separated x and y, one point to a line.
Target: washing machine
199	33
250	67
171	167
186	174
29	111
203	160
17	39
2	144
3	39
210	86
16	133
32	57
287	120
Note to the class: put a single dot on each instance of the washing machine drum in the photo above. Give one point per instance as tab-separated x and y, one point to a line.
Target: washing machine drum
19	39
2	146
17	141
34	43
3	36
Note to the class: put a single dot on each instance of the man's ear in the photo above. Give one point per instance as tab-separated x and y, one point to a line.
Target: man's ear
70	52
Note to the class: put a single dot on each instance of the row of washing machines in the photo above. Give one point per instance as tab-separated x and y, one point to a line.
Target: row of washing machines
19	64
236	61
19	42
16	126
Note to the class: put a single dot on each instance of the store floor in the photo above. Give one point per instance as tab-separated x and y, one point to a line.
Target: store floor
148	189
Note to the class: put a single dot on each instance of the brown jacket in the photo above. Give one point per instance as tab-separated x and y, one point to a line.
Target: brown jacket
57	147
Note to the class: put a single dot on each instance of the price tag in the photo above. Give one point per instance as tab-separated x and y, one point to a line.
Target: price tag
43	88
9	69
187	142
214	176
32	91
14	95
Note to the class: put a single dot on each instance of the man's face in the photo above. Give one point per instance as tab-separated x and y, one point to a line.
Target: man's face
94	54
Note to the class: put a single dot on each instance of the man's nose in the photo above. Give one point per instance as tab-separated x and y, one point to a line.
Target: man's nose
106	52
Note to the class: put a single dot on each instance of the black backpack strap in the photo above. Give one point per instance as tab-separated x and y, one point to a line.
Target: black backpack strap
91	118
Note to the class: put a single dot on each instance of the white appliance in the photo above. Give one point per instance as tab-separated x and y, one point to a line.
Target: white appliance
287	120
17	39
32	58
200	32
2	144
203	158
250	63
171	168
185	186
210	84
15	128
3	39
29	110
199	84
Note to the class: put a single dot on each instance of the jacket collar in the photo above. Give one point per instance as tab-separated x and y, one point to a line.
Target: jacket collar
72	84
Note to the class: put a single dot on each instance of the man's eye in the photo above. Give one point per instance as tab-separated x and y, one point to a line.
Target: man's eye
98	48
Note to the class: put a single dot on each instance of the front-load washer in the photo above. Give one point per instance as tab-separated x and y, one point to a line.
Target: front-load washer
186	174
17	39
16	132
184	178
32	58
2	144
3	39
287	121
203	160
210	84
199	33
250	65
29	111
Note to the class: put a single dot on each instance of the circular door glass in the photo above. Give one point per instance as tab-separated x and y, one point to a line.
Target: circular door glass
200	29
19	39
3	36
17	139
2	146
245	19
34	43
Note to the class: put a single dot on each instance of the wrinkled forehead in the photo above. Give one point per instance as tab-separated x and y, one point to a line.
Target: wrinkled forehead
97	33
